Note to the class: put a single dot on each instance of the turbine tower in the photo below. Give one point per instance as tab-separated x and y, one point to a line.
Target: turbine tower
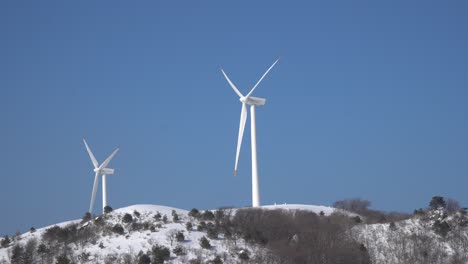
252	101
100	170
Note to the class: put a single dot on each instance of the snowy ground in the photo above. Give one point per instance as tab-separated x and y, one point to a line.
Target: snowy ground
132	242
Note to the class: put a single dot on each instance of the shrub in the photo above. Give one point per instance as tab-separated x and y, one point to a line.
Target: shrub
195	261
136	213
194	213
99	221
84	257
180	236
127	218
29	251
42	249
244	255
32	229
189	226
117	228
355	205
87	217
179	251
160	254
208	216
108	209
217	260
452	206
212	233
157	216
164	219
357	219
201	226
17	254
175	218
441	228
67	234
419	211
437	202
62	259
275	229
5	241
144	259
392	226
205	243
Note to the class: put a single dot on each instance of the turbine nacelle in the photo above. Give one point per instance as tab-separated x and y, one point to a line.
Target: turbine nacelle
104	171
253	100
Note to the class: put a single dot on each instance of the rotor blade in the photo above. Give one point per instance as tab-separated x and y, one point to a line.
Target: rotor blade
253	89
93	159
93	194
106	162
243	119
232	85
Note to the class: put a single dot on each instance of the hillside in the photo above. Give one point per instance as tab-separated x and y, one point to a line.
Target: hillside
97	241
272	234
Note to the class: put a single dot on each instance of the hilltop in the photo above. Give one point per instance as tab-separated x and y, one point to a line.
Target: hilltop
286	233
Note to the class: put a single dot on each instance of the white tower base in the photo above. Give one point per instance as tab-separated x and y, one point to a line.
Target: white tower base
255	188
104	193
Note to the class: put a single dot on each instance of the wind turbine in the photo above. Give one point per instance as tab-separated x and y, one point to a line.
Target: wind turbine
252	101
100	170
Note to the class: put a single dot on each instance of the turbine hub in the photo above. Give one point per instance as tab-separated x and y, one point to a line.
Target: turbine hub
242	99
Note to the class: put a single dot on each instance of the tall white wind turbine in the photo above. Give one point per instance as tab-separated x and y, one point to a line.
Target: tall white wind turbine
252	101
100	170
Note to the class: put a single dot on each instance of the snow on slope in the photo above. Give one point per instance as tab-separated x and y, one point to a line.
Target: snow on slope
134	241
312	208
410	239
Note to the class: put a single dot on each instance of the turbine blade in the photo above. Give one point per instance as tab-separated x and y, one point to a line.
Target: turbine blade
243	119
93	159
263	76
231	84
93	194
106	162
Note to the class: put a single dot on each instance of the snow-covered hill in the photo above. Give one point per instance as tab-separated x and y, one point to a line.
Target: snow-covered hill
147	230
126	234
432	237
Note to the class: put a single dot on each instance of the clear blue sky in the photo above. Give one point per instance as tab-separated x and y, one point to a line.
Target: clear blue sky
369	100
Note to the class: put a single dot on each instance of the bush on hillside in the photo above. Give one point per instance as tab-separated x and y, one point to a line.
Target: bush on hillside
292	238
117	228
179	251
437	202
144	259
160	254
194	213
208	216
157	216
136	213
62	259
180	236
205	243
86	217
5	241
189	226
127	218
108	209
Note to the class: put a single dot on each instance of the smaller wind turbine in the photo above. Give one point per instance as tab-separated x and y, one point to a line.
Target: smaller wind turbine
252	101
100	170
